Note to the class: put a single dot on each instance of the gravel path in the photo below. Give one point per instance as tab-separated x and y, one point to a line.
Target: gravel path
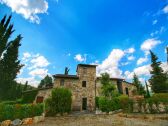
100	120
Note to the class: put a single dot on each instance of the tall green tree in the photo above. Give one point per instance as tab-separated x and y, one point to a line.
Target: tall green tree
158	78
25	86
139	86
47	81
9	63
108	89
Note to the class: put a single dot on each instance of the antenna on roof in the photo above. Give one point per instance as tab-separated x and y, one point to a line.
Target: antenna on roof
66	70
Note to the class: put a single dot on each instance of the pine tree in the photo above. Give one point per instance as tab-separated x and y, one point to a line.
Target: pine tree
158	78
9	63
47	81
137	83
25	86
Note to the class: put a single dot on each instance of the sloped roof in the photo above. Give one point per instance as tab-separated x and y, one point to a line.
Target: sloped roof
65	76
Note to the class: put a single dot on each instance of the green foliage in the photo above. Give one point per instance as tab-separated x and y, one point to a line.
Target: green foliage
160	97
45	82
20	111
137	83
124	101
97	102
159	79
107	105
19	101
104	104
9	63
29	97
59	102
107	87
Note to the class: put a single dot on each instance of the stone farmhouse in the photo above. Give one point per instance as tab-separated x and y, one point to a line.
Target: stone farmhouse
85	86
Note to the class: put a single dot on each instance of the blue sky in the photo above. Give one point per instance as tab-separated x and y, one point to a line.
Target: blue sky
116	35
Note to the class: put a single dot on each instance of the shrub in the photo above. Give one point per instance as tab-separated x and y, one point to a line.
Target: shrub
160	97
107	105
59	102
12	102
124	101
97	102
104	104
29	97
20	111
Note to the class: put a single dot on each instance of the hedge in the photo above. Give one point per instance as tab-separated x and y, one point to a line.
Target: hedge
29	97
107	105
59	102
120	102
18	111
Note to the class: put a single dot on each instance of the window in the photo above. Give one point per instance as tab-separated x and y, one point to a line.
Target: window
61	82
83	83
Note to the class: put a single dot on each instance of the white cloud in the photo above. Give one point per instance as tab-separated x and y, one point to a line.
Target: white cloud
26	56
35	68
29	9
96	62
131	58
111	63
130	50
40	72
164	65
39	61
125	63
80	58
165	9
154	22
142	60
31	81
139	71
149	44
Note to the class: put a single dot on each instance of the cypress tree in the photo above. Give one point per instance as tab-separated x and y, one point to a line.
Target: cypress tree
25	86
9	63
158	78
137	83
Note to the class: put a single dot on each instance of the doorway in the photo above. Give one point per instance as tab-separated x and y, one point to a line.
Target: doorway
84	103
126	91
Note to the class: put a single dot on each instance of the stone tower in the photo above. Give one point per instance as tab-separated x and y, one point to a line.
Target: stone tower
87	81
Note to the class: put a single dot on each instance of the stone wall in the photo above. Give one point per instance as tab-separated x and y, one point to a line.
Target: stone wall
44	93
124	86
79	92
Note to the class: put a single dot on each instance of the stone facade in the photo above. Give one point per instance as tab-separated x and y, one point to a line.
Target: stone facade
85	86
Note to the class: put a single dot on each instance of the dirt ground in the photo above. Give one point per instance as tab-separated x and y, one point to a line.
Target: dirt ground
102	120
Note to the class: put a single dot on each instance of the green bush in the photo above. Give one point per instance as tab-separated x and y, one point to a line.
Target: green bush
124	101
59	102
160	97
97	102
20	111
107	105
29	97
104	104
19	101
